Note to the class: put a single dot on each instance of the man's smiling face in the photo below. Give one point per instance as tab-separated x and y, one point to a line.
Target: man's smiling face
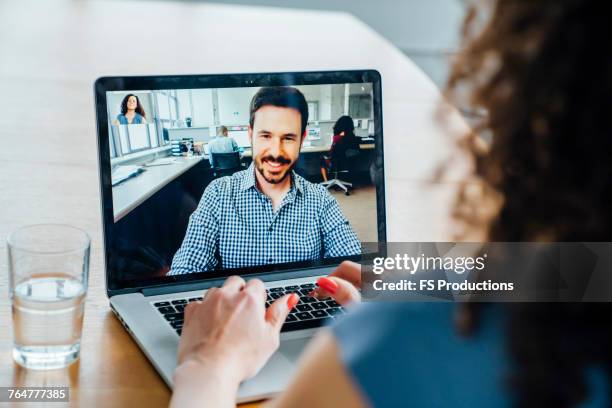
276	140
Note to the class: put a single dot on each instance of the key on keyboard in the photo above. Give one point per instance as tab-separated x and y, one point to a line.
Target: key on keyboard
303	316
165	309
303	308
174	317
319	314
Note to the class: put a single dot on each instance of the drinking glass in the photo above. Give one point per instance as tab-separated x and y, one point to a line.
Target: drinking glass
48	272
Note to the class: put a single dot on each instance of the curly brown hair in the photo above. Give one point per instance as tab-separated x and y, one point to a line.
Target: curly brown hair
139	108
542	72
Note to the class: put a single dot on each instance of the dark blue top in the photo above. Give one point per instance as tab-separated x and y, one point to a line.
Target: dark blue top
408	354
124	121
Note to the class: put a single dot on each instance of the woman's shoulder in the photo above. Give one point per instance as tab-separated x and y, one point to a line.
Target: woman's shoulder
399	352
394	322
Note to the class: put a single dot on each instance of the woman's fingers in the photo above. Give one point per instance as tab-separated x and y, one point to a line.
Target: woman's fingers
349	271
342	284
258	287
340	290
233	284
209	293
325	288
278	311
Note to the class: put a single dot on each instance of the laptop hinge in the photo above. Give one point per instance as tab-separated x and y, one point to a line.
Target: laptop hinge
202	285
184	287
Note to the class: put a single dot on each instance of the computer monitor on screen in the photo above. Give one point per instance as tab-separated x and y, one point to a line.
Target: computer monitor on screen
241	137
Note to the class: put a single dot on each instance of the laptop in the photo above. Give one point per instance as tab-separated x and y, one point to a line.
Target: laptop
173	228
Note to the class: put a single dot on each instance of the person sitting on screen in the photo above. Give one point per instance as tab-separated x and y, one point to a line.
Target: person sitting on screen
344	139
266	214
221	144
132	112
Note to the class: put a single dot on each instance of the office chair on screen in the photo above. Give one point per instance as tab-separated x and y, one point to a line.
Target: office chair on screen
340	163
226	164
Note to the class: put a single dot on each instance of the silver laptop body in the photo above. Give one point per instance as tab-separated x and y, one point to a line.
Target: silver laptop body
135	301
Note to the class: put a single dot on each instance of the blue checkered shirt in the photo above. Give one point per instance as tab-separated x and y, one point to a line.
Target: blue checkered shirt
235	226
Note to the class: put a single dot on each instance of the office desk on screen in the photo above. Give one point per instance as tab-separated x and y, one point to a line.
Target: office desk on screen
134	191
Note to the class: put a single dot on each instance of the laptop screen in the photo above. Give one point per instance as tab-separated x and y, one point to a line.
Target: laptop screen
211	181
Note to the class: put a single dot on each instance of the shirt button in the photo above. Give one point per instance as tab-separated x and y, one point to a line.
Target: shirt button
270	229
270	260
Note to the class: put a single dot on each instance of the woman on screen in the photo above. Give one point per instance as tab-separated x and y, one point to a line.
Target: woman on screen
132	112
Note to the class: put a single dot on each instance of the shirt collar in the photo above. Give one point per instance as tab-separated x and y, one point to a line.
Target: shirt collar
248	180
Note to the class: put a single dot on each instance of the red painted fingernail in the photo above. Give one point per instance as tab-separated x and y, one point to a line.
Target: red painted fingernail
328	284
292	301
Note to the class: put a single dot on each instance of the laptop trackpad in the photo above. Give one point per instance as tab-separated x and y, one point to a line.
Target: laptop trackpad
276	374
292	349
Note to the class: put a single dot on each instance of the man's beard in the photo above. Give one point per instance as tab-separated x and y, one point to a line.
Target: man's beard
259	165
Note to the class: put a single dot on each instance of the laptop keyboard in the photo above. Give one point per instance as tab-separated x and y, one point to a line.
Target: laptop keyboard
307	314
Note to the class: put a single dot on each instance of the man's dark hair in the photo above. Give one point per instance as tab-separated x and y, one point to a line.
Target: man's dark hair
283	97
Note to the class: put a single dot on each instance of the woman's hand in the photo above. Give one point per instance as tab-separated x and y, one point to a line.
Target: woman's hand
231	326
226	339
342	284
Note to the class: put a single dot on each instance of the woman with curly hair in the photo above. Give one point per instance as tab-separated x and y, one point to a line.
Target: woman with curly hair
542	72
132	112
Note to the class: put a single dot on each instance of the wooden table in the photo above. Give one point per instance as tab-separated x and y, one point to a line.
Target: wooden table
52	52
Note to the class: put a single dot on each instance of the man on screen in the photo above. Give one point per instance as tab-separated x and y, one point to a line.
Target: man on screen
267	213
